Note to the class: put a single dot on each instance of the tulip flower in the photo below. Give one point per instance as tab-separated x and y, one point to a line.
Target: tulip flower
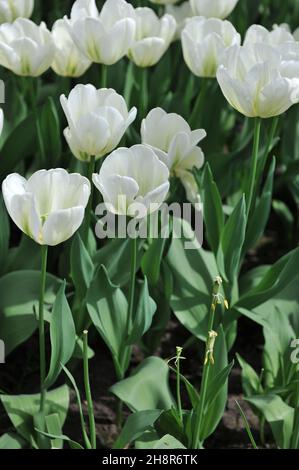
204	41
97	120
132	175
68	60
49	206
181	14
10	10
259	34
153	37
296	34
103	37
171	138
213	8
26	48
254	80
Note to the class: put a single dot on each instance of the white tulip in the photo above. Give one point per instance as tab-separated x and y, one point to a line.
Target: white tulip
68	60
49	206
181	14
258	34
10	10
296	34
97	120
213	8
171	138
1	121
204	42
26	48
103	37
153	37
255	79
131	176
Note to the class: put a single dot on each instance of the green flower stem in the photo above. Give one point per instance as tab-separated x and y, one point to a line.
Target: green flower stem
144	93
196	116
42	348
199	411
86	225
92	426
104	76
254	164
32	99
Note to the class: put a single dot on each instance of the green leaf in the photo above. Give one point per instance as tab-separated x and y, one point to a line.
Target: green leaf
11	441
136	424
54	427
21	410
17	320
61	437
107	307
151	260
213	212
50	131
216	404
19	145
145	311
116	257
279	415
259	219
250	379
4	236
142	391
231	243
193	273
62	334
82	268
168	442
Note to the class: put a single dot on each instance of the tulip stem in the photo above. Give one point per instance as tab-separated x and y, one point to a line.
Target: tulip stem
253	173
199	410
92	426
195	118
129	83
91	170
144	92
42	348
132	283
104	76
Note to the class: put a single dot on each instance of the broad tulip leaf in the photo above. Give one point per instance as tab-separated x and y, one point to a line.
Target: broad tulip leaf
107	307
168	442
21	410
145	311
231	243
279	415
259	219
250	379
193	273
50	132
11	441
142	391
213	212
116	257
82	268
17	320
151	260
62	334
136	424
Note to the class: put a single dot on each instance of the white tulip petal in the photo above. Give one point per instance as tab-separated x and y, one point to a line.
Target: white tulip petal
61	225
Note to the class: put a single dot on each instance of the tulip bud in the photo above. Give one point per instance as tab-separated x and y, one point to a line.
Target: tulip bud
10	10
171	138
132	175
258	34
97	120
153	37
26	48
204	41
103	37
213	8
68	60
181	14
258	81
49	206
